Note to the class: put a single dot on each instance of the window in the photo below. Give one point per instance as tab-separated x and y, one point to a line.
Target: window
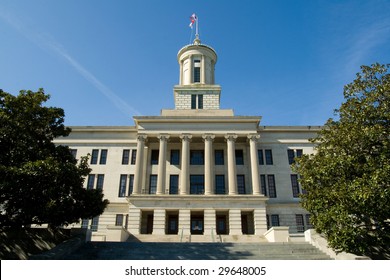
200	101
100	181
196	157
292	154
122	185
131	184
119	220
193	101
218	157
125	156
95	223
133	156
274	220
73	152
241	184
268	157
295	185
299	222
196	74
220	184
196	184
196	101
153	184
91	181
103	156
239	157
263	185
174	184
175	157
271	186
94	157
84	223
260	157
154	157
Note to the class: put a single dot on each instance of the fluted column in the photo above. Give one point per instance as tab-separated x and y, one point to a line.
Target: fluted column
139	164
253	138
162	159
208	167
185	163
231	153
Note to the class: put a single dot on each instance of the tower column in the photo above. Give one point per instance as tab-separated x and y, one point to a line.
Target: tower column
208	168
232	173
185	163
181	73
253	138
203	70
162	158
191	70
139	164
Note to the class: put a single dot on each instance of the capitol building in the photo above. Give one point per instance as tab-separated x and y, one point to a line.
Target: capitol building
196	172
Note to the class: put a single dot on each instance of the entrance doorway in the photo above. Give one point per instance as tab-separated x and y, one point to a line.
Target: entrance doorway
197	223
147	222
222	223
247	223
172	226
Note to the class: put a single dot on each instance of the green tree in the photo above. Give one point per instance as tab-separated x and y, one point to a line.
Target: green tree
40	182
348	178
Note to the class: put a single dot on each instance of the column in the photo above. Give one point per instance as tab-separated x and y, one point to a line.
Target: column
159	221
162	163
253	138
185	163
181	73
203	70
208	167
260	219
184	222
191	70
231	153
210	222
235	221
139	164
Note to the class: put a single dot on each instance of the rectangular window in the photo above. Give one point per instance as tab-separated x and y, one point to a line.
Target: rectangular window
239	157
133	156
131	184
103	156
196	74
95	223
100	181
174	184
299	222
125	156
299	153
274	220
241	184
220	184
263	185
218	157
271	186
84	223
193	101
268	157
94	157
175	157
119	220
196	184
154	157
91	181
260	157
295	185
153	184
200	101
197	157
291	156
73	152
122	186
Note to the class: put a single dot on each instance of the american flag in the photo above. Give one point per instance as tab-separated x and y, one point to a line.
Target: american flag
193	18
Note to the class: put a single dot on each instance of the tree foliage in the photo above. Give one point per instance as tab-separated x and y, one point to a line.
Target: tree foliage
40	182
348	178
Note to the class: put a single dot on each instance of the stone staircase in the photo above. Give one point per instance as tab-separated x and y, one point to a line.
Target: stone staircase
196	251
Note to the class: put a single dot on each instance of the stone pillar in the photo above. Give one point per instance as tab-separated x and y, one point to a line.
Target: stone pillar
231	154
139	164
134	222
185	163
235	222
181	73
191	70
208	167
203	70
210	222
159	222
260	220
162	164
253	138
184	222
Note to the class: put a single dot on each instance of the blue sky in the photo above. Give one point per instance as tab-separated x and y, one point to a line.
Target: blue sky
106	61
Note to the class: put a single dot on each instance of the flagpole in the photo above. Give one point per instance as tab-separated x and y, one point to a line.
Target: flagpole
196	21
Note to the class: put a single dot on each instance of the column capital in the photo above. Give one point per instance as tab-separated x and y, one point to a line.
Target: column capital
163	137
208	137
231	137
254	137
186	137
141	137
